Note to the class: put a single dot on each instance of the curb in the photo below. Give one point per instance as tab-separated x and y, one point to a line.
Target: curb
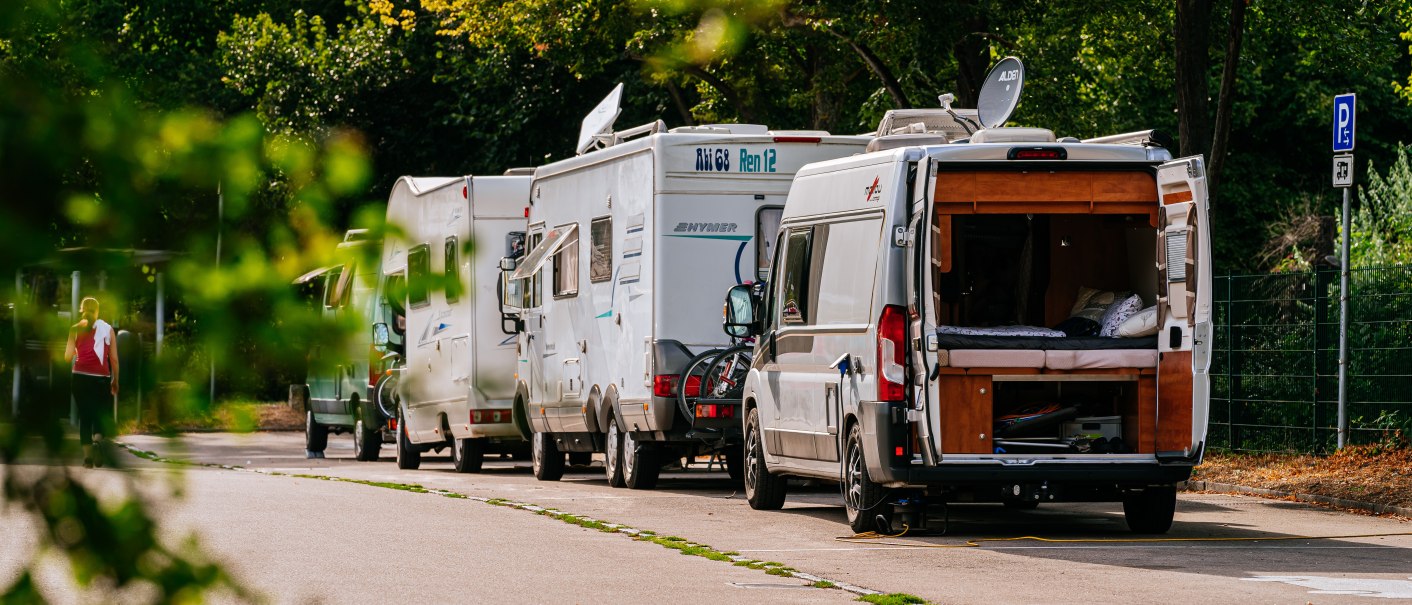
1377	509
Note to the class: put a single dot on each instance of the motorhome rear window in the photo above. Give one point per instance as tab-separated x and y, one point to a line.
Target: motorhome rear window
794	295
600	265
418	271
453	275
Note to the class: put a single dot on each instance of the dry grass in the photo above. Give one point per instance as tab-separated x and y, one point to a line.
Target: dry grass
1373	474
232	416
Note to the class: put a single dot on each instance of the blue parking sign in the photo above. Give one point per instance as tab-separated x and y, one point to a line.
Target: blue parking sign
1344	116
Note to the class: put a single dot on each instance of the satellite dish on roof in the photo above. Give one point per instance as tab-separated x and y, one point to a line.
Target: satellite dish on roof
1000	92
600	120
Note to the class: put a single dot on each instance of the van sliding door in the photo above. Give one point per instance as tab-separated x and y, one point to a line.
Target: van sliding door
1183	307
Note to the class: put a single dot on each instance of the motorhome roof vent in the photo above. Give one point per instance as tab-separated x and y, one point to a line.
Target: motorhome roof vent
355	235
1013	135
522	171
894	141
722	129
929	121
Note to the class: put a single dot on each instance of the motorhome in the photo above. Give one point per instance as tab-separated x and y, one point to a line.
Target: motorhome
342	377
983	314
629	245
455	382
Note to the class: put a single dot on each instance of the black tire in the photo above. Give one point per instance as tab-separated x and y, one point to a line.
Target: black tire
315	434
1151	510
367	442
580	458
762	490
642	463
735	461
724	378
385	398
695	367
613	454
409	457
864	502
547	460
468	455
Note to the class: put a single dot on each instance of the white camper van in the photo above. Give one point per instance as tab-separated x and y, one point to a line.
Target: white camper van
456	380
908	344
629	247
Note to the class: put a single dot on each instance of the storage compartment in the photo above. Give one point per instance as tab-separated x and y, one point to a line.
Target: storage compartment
1069	414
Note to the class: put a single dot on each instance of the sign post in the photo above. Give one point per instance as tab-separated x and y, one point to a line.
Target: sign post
1345	116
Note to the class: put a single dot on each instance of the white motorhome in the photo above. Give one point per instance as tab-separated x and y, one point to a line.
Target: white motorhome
628	247
456	381
903	347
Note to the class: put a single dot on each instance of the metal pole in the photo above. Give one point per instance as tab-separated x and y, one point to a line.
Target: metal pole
1344	262
220	217
161	313
19	345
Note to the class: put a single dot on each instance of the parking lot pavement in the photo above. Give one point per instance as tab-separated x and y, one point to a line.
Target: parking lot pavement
1222	548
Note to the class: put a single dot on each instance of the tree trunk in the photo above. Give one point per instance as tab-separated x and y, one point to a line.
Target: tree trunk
972	54
879	69
1193	44
682	109
1227	96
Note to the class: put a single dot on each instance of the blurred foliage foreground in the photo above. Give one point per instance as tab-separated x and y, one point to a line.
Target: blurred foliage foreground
82	160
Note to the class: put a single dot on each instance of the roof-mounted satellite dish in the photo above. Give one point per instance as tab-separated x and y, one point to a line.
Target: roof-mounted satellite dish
1001	92
600	120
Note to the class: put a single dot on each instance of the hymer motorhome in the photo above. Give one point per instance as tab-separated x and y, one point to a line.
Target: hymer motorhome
455	381
629	245
907	345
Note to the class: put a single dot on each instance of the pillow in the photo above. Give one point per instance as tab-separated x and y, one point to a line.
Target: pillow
1095	303
1118	313
1142	323
1078	326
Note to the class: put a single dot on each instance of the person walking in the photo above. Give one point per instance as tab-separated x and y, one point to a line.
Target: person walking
93	351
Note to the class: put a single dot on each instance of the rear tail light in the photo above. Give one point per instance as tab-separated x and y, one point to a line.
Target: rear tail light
714	410
373	372
892	331
489	416
665	385
1038	153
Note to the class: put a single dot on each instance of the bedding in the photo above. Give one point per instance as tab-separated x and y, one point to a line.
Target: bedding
1084	343
1028	331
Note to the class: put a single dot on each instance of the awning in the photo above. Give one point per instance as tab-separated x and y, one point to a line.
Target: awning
553	240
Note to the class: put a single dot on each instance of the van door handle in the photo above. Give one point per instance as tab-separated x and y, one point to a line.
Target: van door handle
936	371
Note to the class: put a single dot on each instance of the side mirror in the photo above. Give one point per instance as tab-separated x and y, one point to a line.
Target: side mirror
739	313
381	336
508	265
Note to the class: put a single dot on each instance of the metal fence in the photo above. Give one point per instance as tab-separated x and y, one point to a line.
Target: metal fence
1274	372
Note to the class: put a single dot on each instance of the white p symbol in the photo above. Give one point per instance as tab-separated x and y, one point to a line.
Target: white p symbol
1343	122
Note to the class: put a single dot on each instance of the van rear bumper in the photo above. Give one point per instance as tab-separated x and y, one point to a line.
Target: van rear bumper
1073	474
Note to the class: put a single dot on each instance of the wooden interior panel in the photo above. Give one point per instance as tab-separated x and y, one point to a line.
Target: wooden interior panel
966	418
1174	401
1067	192
1096	257
941	243
1140	419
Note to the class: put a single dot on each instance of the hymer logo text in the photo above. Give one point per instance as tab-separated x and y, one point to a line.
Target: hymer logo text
705	228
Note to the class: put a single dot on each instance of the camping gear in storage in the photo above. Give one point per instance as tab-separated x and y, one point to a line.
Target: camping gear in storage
1106	427
629	245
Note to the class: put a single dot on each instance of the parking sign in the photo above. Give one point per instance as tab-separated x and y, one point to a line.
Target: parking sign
1344	116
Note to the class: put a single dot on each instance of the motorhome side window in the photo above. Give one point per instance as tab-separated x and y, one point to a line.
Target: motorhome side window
794	280
566	266
453	276
331	292
767	226
418	272
535	282
600	264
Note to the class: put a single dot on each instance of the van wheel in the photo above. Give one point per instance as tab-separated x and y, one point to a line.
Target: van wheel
315	434
613	454
580	458
1151	510
641	463
409	457
762	490
468	455
863	500
367	442
735	461
546	458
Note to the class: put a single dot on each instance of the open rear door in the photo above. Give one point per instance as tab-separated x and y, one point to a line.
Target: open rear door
1184	307
922	319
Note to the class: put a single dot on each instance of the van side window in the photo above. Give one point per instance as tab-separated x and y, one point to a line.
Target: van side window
452	269
600	263
794	279
846	273
418	271
566	267
331	293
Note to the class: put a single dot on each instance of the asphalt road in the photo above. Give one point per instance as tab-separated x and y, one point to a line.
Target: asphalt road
303	540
